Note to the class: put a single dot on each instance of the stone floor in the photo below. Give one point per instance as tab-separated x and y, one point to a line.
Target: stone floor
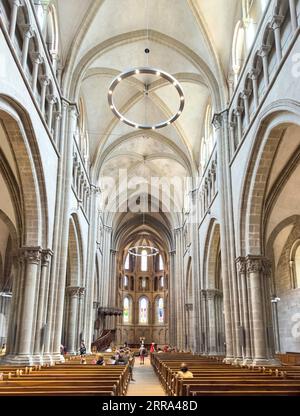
146	382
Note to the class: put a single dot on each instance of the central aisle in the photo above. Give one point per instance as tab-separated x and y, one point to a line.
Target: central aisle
146	383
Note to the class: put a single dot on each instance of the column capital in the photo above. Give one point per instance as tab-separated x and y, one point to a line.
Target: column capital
51	98
57	115
18	3
254	264
203	293
212	293
95	190
81	292
30	255
253	73
172	252
113	251
276	21
73	291
264	50
241	264
37	57
246	94
28	31
238	111
46	256
45	80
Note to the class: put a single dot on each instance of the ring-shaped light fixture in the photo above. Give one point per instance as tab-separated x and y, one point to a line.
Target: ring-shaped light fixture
137	251
145	70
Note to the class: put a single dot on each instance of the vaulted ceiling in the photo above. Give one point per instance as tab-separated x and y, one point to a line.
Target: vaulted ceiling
190	39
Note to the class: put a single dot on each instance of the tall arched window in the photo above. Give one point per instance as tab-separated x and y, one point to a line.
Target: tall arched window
297	267
126	310
144	261
143	312
127	262
161	282
161	262
125	281
160	310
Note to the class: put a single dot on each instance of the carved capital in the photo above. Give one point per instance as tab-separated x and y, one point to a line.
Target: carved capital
238	111
241	264
45	80
51	99
253	73
276	22
30	255
46	257
188	306
37	58
267	265
57	115
217	121
254	264
246	94
81	292
264	50
73	291
28	31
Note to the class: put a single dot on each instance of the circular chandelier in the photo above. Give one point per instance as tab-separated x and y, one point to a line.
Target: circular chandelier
152	71
138	251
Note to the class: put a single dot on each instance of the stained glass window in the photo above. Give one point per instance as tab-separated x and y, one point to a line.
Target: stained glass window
127	262
144	261
125	281
126	310
143	311
161	281
161	311
161	263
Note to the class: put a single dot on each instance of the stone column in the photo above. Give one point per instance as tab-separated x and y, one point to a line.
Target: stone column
172	300
28	34
37	61
220	123
51	100
245	96
293	12
56	135
275	25
13	19
253	76
45	80
42	302
238	113
73	293
212	324
30	257
264	52
234	145
241	266
80	334
205	325
51	290
5	304
60	283
179	288
255	271
90	278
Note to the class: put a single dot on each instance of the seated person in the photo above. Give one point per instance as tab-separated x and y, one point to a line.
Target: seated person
184	372
100	359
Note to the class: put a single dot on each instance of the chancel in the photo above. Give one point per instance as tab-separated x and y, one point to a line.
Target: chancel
149	198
